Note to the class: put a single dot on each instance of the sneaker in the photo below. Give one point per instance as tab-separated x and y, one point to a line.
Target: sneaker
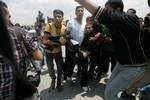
64	81
44	67
85	89
59	88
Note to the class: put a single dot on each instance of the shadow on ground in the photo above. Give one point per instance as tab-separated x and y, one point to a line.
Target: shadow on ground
73	91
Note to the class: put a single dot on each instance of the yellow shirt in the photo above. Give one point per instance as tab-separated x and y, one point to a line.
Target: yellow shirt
53	31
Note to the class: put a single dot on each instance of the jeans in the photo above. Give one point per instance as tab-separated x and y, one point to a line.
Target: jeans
35	96
122	77
144	80
37	65
59	63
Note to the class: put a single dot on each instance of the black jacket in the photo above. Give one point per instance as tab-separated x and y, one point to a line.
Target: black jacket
146	41
125	30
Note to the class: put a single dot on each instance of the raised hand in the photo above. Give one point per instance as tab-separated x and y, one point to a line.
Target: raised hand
88	4
77	0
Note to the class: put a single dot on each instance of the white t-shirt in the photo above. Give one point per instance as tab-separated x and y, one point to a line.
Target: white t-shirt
76	30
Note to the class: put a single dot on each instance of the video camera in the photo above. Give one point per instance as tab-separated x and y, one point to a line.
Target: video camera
54	38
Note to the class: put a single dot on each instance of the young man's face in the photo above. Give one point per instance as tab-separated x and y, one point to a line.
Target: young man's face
80	12
58	19
88	28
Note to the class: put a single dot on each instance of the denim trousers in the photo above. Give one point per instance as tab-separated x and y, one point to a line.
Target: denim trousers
121	79
50	57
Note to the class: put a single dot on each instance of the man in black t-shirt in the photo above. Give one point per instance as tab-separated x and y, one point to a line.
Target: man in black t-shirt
125	30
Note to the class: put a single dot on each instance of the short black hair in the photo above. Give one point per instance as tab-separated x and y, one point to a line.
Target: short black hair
133	10
90	18
57	11
147	16
78	7
115	4
141	18
5	42
3	4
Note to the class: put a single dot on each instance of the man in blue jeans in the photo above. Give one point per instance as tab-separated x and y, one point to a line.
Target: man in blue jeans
125	30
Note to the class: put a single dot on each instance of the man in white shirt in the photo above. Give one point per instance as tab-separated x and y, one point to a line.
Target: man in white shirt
75	28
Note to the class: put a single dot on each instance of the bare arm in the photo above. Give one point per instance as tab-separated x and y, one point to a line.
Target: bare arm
37	55
88	4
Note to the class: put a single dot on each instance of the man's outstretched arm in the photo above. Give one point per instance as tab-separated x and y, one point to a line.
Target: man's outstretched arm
89	5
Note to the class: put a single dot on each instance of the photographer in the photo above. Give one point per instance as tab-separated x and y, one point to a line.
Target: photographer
53	40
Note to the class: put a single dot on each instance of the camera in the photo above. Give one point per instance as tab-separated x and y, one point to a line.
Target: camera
54	38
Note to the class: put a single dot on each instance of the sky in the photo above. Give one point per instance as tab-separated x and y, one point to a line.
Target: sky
26	11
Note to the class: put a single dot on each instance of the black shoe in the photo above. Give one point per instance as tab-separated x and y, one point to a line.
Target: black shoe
127	96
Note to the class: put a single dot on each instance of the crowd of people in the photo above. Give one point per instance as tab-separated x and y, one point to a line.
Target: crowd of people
109	38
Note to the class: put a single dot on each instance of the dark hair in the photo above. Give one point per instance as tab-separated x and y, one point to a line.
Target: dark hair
115	4
3	4
78	7
149	3
89	18
57	11
42	20
148	15
140	18
5	42
133	10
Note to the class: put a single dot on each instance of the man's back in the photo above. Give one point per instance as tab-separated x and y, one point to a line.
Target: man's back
125	30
